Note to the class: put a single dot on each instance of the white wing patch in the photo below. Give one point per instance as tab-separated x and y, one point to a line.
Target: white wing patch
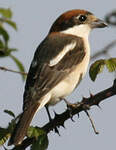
65	50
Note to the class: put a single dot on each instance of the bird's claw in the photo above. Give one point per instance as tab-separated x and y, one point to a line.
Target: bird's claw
69	107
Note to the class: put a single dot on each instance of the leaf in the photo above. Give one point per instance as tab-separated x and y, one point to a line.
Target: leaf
4	135
96	68
41	139
11	126
41	143
11	23
12	49
7	13
111	64
9	112
19	65
5	34
4	52
35	132
1	44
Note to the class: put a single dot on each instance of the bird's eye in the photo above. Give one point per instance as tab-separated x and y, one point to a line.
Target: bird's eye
82	18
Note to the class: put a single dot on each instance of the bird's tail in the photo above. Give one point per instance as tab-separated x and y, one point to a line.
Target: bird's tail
22	125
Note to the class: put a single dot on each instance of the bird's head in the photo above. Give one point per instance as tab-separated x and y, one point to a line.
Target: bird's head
77	22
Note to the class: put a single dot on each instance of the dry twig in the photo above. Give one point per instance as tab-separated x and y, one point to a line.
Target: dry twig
10	70
105	50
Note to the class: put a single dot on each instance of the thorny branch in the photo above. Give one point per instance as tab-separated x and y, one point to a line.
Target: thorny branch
60	119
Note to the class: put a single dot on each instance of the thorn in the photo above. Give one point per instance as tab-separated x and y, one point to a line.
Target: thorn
91	95
98	106
84	99
72	119
78	115
55	113
63	126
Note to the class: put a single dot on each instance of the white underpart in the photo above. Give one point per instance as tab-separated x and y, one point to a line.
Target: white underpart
65	50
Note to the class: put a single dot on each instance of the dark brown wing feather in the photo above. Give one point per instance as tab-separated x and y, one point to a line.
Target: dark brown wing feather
42	78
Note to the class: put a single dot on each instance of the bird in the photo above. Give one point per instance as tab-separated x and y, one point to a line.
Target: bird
59	64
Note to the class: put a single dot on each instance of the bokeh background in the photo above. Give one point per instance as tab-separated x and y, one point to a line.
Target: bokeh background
34	18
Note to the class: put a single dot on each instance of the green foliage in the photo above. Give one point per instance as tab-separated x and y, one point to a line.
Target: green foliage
98	66
6	12
4	135
111	64
11	23
35	132
11	126
5	50
4	34
41	143
41	139
9	112
19	65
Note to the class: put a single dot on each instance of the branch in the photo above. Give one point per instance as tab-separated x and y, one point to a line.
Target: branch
59	119
110	18
10	70
105	50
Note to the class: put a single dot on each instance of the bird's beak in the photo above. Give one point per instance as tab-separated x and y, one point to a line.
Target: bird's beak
98	23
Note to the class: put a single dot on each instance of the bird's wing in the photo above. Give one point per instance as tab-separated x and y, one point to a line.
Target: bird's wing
54	59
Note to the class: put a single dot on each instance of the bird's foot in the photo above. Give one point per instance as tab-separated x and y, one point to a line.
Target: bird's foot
70	106
49	116
50	120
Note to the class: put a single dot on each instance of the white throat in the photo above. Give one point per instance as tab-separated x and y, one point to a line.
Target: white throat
82	30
